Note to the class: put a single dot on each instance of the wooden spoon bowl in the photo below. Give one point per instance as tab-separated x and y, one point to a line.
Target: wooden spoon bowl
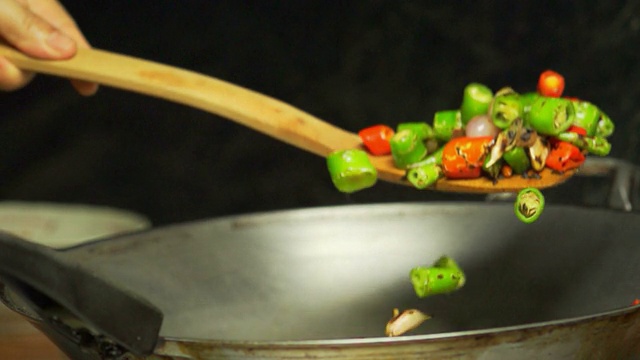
249	108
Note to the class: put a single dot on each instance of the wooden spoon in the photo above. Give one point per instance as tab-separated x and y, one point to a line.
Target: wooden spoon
249	108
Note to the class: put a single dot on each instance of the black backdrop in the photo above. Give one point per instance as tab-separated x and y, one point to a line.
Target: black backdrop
353	63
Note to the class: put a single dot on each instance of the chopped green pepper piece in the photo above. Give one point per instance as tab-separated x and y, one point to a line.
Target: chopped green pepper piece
424	175
407	148
475	101
594	145
518	159
551	116
444	276
529	205
447	262
423	130
605	126
527	99
492	170
434	158
505	109
444	123
351	170
587	116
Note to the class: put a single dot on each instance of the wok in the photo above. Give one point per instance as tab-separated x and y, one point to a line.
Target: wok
322	283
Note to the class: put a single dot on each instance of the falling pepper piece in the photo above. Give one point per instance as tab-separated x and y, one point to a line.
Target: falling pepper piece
443	277
635	302
529	205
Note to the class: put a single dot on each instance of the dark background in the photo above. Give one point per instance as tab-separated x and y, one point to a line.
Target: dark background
352	63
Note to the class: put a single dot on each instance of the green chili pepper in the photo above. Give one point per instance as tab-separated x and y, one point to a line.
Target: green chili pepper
587	116
518	159
594	145
447	262
529	205
527	99
493	170
407	148
551	116
423	130
351	170
475	101
424	175
444	123
444	276
605	126
433	158
505	109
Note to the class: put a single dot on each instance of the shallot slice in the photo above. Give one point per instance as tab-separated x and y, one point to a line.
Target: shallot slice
408	320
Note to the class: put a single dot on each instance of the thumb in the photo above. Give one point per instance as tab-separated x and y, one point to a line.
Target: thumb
31	34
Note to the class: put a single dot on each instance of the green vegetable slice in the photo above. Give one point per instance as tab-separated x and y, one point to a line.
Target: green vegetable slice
529	205
444	276
351	170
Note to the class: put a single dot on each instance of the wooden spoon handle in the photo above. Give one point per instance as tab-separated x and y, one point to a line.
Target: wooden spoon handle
249	108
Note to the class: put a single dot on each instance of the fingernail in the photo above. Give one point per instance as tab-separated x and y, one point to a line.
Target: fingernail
60	44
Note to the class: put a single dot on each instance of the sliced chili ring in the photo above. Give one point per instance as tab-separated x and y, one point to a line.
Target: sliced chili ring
529	205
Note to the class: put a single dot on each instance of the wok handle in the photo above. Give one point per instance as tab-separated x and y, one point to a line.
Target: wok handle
36	271
625	181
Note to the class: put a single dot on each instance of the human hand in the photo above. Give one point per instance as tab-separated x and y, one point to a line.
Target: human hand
42	29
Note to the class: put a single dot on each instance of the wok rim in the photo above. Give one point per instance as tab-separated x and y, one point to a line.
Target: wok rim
383	340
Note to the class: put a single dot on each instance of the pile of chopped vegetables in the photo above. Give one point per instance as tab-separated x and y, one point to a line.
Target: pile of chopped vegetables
496	135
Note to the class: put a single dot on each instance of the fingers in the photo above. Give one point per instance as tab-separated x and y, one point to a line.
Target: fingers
12	78
31	34
84	88
23	25
59	18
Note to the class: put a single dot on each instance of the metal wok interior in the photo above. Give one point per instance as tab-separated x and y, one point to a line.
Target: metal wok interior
337	272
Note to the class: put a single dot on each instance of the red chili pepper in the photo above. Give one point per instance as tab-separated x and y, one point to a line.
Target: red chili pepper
462	157
635	302
578	130
564	156
550	84
376	139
